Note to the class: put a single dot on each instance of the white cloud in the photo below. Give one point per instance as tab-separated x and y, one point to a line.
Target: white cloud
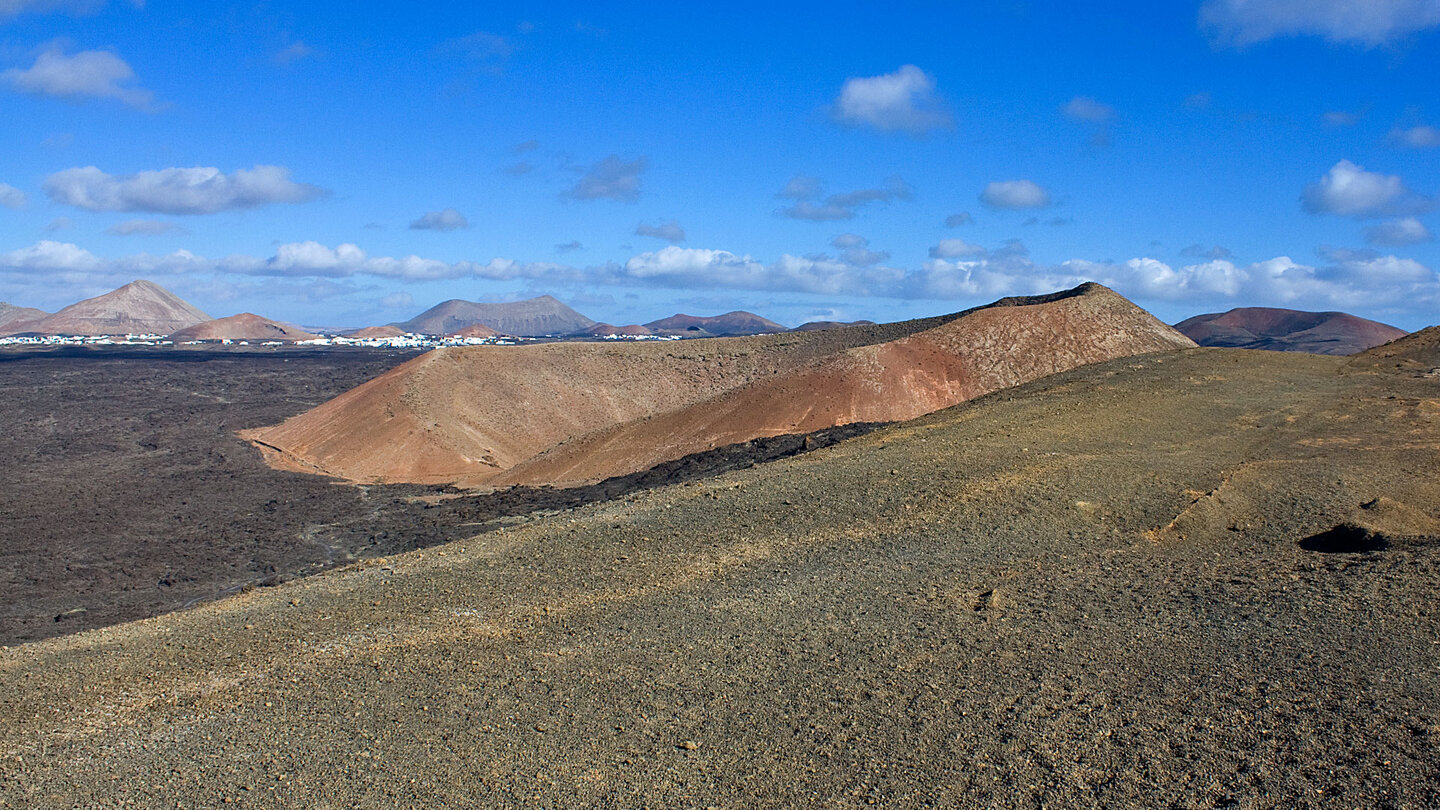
837	206
58	224
446	220
1418	137
87	74
293	52
855	249
956	249
611	179
903	101
11	197
1085	108
1340	118
398	300
1015	194
1349	190
669	231
143	227
1398	233
956	220
1365	22
197	190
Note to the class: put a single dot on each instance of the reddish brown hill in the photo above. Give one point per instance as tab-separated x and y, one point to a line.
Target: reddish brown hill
475	330
245	326
376	332
13	319
727	325
140	307
1287	330
532	317
565	413
605	329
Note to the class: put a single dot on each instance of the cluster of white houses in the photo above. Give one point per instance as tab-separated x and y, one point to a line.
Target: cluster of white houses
406	341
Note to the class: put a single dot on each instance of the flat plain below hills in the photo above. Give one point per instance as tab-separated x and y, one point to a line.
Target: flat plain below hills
1204	578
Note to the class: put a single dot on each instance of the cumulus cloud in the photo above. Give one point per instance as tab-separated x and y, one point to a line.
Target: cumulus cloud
11	197
1085	108
611	179
87	74
197	190
1398	233
855	249
143	227
1014	195
956	249
956	220
445	220
1349	190
903	101
1418	137
1363	22
697	267
669	231
837	206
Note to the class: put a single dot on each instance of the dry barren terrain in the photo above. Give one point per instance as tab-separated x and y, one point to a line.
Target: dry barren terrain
1198	579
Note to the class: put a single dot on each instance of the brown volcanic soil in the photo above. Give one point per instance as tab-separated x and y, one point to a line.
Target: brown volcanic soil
576	413
377	332
1419	351
245	326
1199	579
476	330
1288	330
11	314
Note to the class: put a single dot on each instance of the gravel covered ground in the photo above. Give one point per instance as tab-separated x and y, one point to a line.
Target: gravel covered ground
1200	579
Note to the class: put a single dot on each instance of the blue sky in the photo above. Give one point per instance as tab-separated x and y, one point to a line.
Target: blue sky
349	164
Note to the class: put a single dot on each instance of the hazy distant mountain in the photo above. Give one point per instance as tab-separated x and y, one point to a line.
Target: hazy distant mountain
731	323
245	326
604	329
530	318
1288	330
13	316
138	307
816	326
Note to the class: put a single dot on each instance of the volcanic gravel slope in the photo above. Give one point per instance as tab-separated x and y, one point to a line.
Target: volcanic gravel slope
1204	578
578	413
138	307
245	326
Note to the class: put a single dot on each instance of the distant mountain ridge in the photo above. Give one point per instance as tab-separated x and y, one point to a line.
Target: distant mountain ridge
1288	330
730	324
245	326
140	307
11	314
533	317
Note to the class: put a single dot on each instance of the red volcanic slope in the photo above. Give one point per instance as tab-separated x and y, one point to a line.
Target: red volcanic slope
245	326
567	413
376	332
1288	330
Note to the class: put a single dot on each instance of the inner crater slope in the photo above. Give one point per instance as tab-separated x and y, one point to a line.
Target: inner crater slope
570	413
